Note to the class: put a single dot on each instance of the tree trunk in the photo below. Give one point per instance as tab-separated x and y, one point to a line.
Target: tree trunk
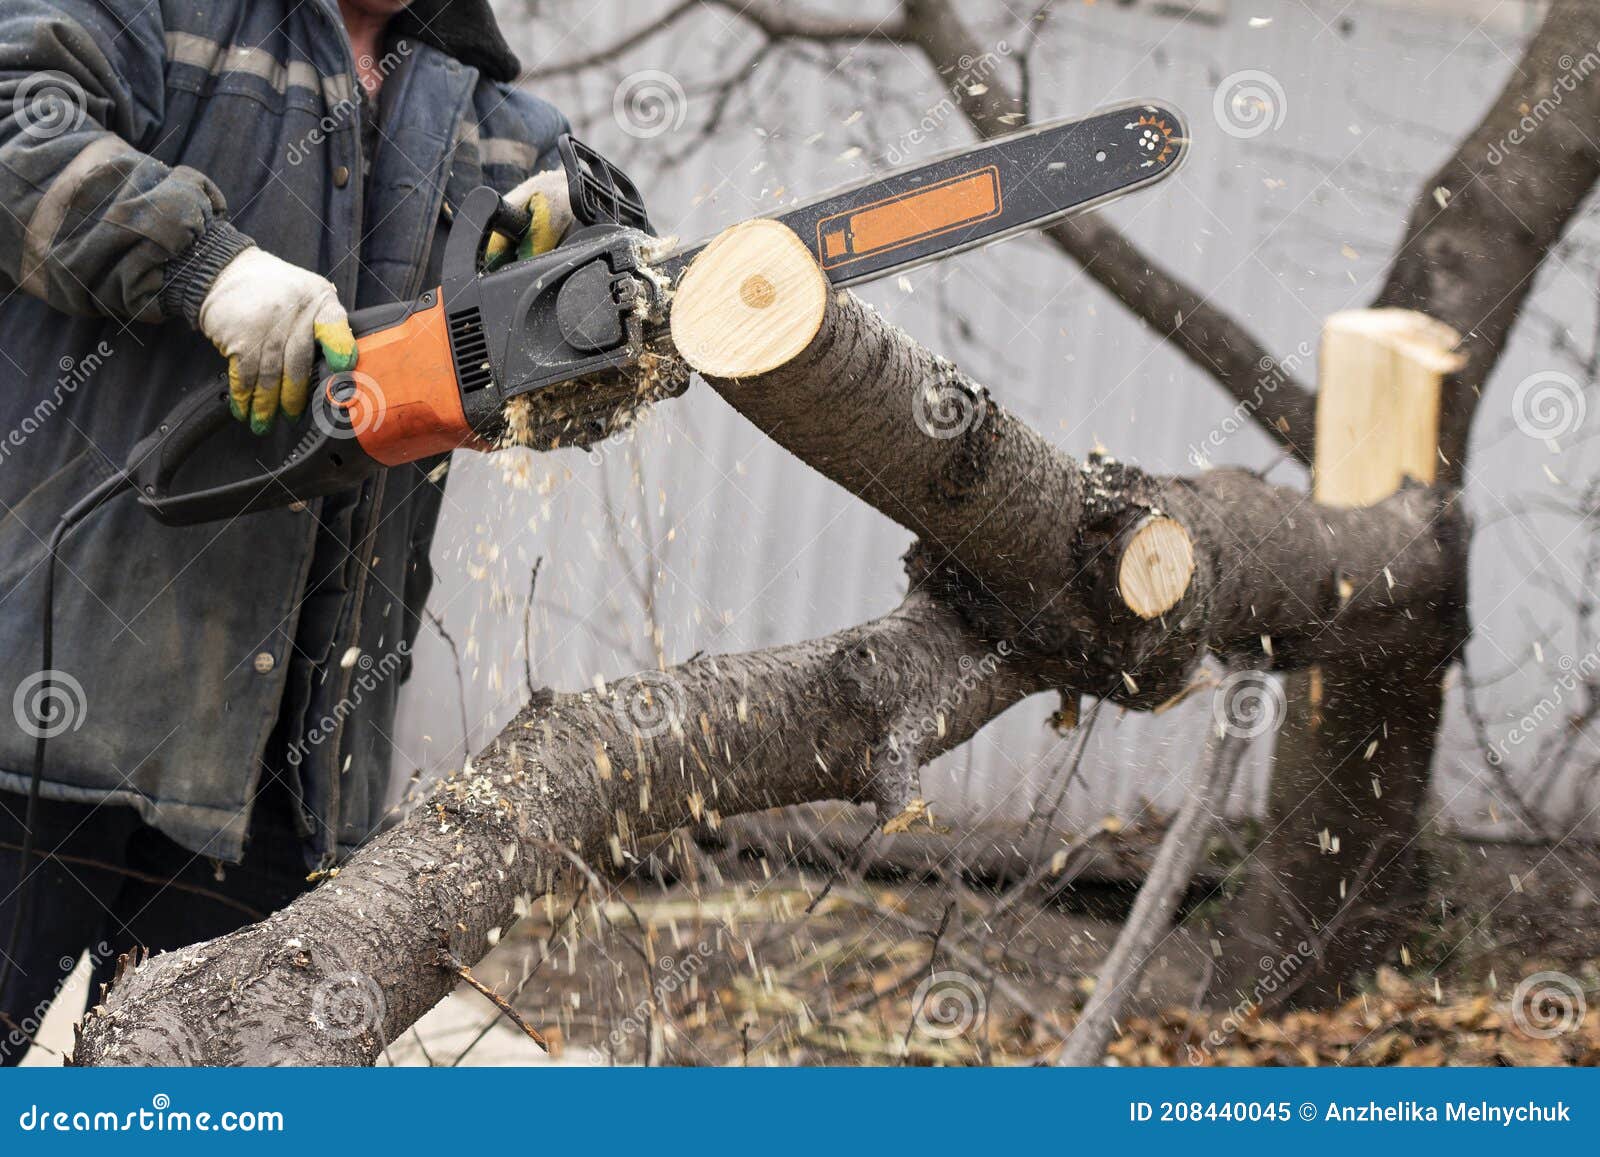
1481	227
1339	869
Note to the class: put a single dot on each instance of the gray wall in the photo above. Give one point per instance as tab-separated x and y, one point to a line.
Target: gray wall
734	545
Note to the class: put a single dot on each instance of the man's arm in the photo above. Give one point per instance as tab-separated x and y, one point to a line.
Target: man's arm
88	222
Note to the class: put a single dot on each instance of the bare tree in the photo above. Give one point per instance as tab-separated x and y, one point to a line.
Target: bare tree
1479	230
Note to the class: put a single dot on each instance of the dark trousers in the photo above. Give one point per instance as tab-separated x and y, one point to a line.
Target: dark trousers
112	883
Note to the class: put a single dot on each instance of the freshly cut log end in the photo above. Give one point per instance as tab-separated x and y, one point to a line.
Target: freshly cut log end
1378	403
1156	566
752	302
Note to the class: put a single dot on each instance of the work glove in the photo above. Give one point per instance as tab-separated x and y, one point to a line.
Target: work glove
267	318
544	195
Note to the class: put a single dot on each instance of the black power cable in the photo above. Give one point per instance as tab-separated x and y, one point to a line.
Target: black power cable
75	514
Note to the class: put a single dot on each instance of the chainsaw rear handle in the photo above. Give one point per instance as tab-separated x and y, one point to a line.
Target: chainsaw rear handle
327	458
156	458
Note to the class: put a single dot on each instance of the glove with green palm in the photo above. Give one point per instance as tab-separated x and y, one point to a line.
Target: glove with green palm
545	197
268	318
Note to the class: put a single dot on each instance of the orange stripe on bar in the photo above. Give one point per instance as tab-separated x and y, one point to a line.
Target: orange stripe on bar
910	217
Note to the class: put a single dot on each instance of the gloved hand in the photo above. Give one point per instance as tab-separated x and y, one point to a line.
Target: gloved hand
267	317
545	196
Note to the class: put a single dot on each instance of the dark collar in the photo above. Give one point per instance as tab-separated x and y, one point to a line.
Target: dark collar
464	29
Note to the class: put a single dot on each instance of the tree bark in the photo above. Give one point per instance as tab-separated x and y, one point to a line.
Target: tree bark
1341	867
1276	580
349	966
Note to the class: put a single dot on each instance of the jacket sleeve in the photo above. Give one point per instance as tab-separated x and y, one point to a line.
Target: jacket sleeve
88	221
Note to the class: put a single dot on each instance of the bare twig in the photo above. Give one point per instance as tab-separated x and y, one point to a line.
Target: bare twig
461	684
555	931
1147	924
494	998
776	21
933	956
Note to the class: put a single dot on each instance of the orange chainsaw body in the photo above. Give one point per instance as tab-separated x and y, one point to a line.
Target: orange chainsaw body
406	404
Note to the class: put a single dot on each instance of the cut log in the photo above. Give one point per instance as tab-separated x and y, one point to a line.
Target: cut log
1156	565
752	301
1010	584
1044	536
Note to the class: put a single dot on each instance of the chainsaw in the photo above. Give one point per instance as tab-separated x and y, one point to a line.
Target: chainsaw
439	373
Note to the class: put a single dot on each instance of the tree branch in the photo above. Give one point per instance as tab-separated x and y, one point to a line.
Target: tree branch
778	22
593	771
1147	925
1277	580
785	21
1211	339
1483	225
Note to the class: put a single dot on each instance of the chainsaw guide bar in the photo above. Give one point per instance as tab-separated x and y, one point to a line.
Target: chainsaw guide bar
985	193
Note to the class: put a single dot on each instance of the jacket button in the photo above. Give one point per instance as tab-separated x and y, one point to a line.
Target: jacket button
265	662
341	176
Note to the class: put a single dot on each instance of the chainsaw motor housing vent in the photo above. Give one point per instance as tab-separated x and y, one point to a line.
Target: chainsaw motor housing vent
470	349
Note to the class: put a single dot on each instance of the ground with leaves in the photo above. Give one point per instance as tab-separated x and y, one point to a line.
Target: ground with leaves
751	965
1398	1021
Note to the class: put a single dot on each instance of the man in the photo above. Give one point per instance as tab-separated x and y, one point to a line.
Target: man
187	188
